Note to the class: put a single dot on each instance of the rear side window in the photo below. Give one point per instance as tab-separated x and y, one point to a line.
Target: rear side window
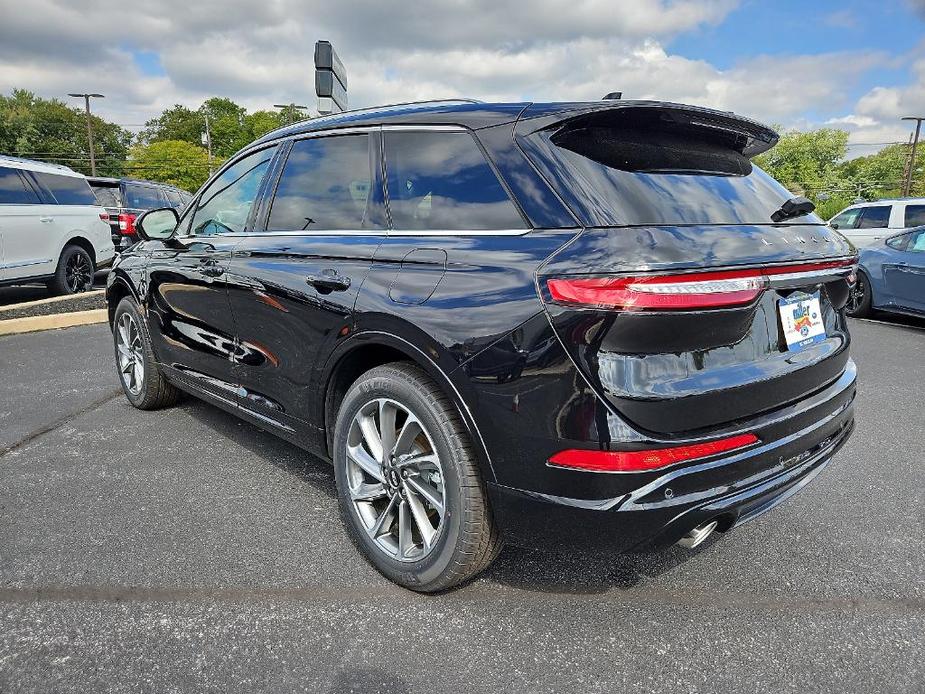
173	198
67	190
847	219
915	216
635	167
875	217
326	184
107	196
14	190
441	181
144	197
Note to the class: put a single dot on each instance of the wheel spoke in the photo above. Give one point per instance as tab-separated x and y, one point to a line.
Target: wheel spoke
124	351
405	541
365	461
127	366
137	375
431	496
368	492
387	414
417	460
384	521
419	513
371	436
409	432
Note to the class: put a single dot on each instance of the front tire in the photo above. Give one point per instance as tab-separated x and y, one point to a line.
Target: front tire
142	380
408	483
74	273
860	297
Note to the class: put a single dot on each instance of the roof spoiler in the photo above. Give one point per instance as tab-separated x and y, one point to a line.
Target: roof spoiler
743	134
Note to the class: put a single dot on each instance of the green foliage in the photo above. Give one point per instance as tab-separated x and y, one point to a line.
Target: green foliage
50	130
177	123
176	162
807	163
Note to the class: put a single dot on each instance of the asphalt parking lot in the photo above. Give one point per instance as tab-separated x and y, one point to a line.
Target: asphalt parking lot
185	550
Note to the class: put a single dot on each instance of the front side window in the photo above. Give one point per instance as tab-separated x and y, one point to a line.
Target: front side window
226	203
67	190
846	219
876	217
441	181
915	216
916	242
326	184
14	190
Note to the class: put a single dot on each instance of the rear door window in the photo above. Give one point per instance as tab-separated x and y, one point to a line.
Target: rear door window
173	198
441	180
875	217
144	197
67	190
14	190
847	219
915	216
326	184
107	196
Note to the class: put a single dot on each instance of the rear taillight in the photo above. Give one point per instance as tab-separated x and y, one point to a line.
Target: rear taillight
641	461
694	290
104	217
126	224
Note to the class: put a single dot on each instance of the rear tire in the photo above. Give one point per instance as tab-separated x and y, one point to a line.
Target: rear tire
860	297
142	380
74	273
418	511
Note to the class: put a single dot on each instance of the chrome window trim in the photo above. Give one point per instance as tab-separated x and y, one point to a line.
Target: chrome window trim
368	232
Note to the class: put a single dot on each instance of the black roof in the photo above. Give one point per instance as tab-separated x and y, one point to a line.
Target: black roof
475	115
117	181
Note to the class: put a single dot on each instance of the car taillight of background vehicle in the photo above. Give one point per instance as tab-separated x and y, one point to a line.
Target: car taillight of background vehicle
127	224
104	217
641	461
696	290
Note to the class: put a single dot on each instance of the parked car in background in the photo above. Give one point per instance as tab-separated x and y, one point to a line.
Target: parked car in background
891	276
588	325
126	198
52	229
867	222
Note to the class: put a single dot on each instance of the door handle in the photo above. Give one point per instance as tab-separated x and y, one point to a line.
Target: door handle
46	220
212	270
328	281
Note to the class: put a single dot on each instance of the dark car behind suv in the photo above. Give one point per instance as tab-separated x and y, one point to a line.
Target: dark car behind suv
126	198
589	325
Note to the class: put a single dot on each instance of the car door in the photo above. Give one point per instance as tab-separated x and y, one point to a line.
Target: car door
293	284
904	272
872	225
190	321
21	253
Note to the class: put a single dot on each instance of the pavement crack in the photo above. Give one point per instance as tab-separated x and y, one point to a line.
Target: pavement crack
61	421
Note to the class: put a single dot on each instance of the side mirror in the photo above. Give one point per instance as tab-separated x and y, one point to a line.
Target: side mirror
157	224
834	225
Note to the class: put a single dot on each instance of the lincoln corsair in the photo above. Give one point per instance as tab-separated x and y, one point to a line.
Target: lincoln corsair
583	325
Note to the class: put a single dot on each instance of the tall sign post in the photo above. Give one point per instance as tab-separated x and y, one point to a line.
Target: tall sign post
330	79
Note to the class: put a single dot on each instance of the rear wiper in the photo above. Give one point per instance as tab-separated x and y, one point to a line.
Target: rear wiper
794	207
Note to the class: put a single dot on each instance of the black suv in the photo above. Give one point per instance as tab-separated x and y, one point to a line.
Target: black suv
126	198
595	325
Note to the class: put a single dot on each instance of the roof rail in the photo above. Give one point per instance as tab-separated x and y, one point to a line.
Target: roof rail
23	160
385	107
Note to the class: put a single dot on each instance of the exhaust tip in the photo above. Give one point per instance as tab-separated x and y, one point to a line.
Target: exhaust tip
696	536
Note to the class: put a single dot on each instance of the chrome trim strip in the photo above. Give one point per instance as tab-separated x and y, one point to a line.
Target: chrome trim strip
367	232
27	263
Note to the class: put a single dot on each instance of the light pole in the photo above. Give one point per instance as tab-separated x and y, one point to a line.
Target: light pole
907	184
86	98
207	140
291	108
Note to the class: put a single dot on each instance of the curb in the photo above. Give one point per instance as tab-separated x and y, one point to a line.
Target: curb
51	300
14	326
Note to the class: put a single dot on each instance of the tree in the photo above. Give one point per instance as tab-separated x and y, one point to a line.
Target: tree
177	123
50	130
880	175
176	162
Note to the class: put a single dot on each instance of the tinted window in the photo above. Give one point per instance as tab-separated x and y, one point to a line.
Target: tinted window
326	184
173	198
898	242
143	197
633	168
226	203
915	216
67	190
916	242
14	190
846	219
107	196
875	217
440	180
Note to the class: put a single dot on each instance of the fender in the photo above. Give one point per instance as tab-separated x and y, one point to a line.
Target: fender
422	359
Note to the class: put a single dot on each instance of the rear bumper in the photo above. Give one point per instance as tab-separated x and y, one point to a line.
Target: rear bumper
731	489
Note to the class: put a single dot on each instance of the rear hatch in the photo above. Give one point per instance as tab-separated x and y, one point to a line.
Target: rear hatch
682	303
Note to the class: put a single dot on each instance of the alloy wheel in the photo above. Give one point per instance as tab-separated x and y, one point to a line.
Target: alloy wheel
78	273
856	294
395	480
130	354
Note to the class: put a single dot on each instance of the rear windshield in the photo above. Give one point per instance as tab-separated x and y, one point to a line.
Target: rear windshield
107	196
143	197
622	169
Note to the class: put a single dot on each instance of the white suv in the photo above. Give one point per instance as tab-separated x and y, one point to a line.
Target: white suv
52	229
867	222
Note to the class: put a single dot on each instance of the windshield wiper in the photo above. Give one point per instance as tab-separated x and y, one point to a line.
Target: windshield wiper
794	207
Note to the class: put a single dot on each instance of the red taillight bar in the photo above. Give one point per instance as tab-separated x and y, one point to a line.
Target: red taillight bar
126	224
641	461
721	288
104	216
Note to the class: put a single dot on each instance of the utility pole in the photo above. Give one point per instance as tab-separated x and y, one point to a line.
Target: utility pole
291	109
907	185
207	140
86	98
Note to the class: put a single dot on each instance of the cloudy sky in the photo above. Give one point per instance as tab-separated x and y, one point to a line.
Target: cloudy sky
859	65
